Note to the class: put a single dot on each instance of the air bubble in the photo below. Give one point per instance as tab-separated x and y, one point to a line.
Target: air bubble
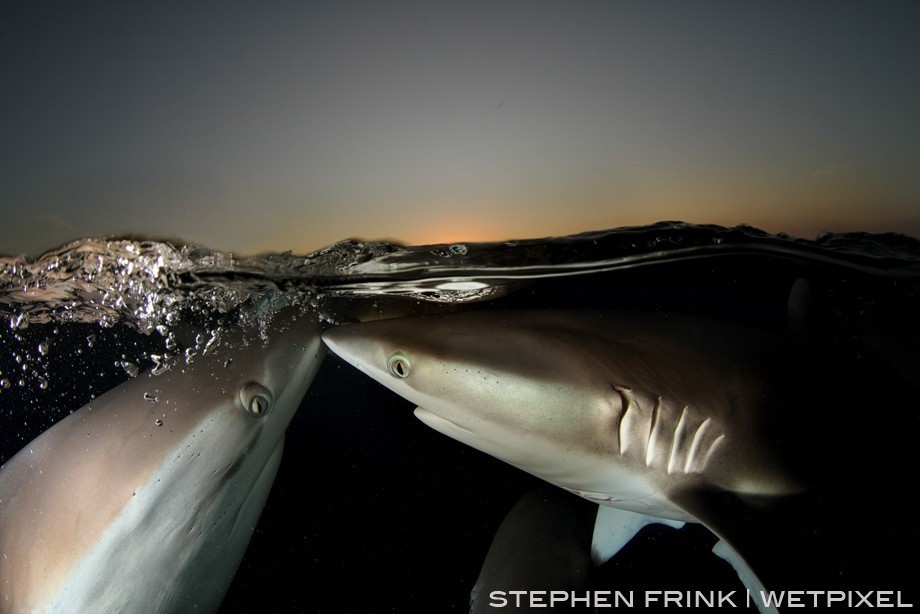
456	249
158	422
43	348
213	342
161	364
129	367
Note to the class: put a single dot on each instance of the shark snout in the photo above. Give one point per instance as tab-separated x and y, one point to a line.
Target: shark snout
344	344
369	348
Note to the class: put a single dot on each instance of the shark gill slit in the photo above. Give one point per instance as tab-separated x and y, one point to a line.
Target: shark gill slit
677	441
652	432
625	402
712	448
695	448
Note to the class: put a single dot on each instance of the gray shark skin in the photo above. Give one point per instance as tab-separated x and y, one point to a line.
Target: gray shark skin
146	498
621	409
673	418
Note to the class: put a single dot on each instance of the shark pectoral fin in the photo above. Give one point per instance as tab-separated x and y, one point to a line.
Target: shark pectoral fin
442	425
750	580
733	522
614	528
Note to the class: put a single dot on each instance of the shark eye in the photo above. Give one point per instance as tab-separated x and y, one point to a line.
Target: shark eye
256	399
398	365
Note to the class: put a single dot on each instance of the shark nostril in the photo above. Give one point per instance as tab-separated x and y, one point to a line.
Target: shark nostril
398	365
256	399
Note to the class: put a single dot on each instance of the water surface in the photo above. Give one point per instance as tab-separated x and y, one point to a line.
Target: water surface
371	510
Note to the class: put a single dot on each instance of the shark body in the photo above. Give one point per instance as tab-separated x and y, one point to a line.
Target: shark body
543	544
655	418
145	499
621	409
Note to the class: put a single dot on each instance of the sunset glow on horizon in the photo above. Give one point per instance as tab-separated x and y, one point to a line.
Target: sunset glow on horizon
293	126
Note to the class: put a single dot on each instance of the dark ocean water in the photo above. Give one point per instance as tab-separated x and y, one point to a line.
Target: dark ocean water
374	512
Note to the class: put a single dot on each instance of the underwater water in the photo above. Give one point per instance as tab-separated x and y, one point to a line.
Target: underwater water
371	510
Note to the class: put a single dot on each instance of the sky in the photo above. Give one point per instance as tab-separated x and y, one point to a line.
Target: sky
272	126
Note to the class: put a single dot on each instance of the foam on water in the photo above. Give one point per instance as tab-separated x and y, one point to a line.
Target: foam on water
146	283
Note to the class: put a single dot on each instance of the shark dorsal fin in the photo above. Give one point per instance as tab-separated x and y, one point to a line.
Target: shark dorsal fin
798	306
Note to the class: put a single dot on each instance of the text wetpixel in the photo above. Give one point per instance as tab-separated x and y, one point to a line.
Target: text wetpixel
699	599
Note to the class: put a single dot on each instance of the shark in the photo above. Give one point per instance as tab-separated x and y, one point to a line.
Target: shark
145	499
544	543
658	418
